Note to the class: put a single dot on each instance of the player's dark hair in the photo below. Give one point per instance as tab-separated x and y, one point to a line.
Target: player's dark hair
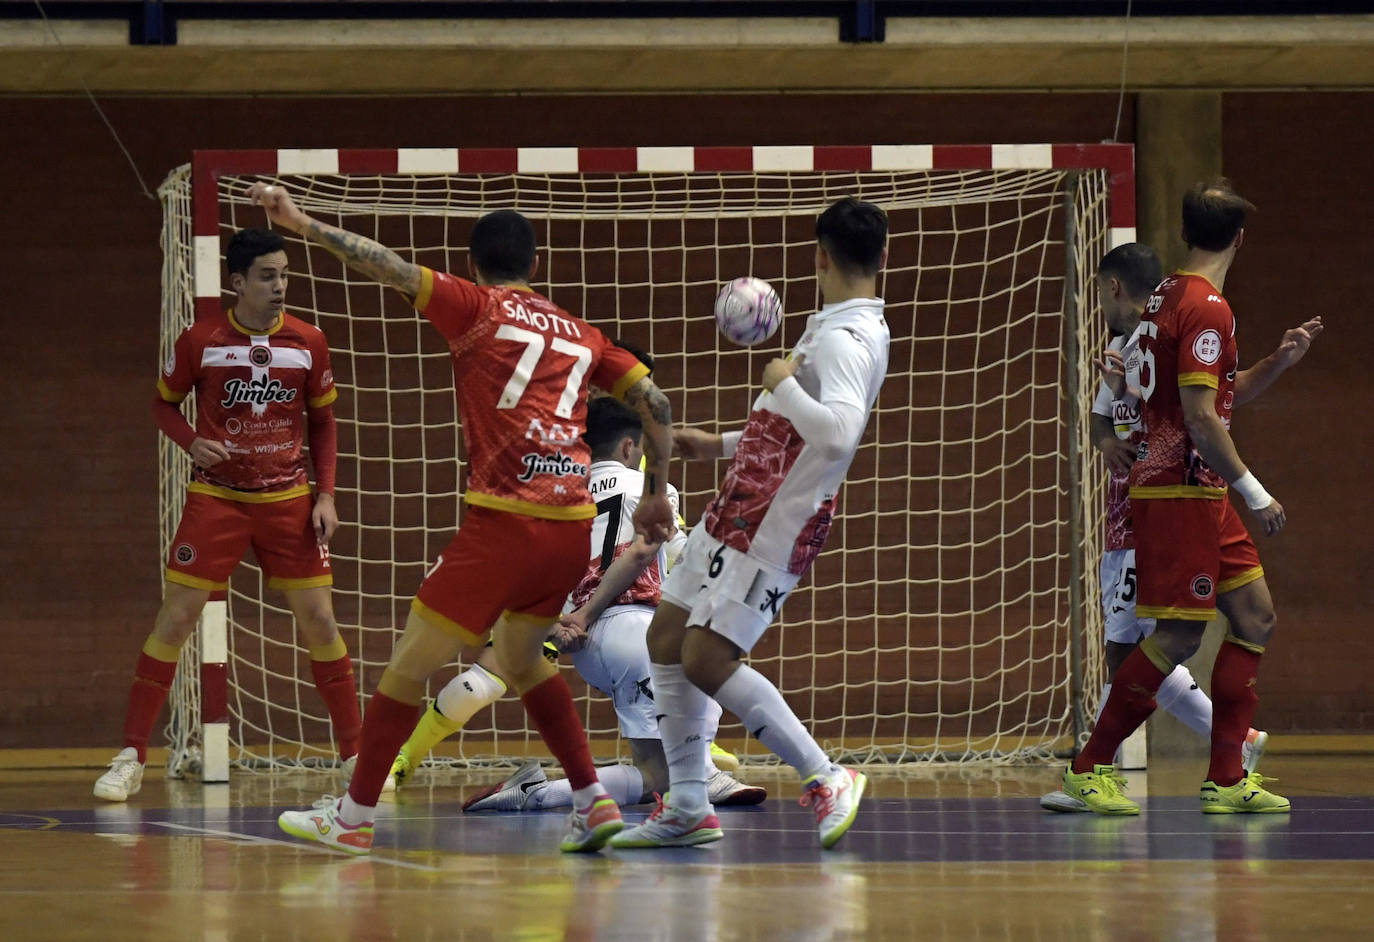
610	421
503	246
1135	265
1213	215
854	234
248	245
641	355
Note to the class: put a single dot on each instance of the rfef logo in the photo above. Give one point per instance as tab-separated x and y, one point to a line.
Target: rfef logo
1207	346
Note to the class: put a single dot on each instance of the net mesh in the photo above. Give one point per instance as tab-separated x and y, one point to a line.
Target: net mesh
940	622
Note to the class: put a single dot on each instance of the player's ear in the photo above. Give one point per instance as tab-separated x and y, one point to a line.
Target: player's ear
236	282
534	268
1240	237
473	273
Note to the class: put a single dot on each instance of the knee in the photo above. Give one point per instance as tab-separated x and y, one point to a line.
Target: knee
1256	627
317	623
175	623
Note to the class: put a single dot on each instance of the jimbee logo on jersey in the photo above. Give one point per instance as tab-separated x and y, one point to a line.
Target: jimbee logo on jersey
260	354
1202	586
185	554
259	392
556	464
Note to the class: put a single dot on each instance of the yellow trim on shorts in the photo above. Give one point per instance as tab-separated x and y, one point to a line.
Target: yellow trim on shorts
1178	614
1156	492
531	509
1197	379
161	650
444	623
249	497
1245	578
637	372
1242	643
194	582
168	394
322	401
329	652
309	582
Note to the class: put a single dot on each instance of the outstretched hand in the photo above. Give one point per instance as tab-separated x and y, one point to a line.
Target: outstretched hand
280	208
1296	342
1113	370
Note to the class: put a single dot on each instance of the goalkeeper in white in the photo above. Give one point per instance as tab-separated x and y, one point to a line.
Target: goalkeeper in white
761	533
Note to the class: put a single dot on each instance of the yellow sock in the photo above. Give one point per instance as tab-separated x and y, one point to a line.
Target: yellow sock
432	729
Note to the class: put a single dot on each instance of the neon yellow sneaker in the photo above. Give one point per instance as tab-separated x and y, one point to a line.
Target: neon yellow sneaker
1248	796
724	760
399	774
1102	790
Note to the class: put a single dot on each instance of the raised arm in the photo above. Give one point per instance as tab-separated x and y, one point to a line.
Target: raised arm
1292	348
359	253
654	516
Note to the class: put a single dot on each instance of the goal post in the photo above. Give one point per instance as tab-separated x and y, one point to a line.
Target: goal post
955	613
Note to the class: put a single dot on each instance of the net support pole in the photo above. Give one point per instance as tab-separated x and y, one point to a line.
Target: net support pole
214	691
1073	322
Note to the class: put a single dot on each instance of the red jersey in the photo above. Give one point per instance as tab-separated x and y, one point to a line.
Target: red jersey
1187	338
252	392
521	365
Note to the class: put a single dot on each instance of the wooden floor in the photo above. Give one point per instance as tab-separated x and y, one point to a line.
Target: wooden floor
935	854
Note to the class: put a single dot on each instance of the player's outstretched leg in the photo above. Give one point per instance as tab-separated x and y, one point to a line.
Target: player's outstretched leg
464	695
512	793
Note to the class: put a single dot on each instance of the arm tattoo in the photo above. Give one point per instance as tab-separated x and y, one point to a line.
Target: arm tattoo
371	258
652	482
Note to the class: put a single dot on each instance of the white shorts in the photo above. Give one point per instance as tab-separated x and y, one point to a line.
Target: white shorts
616	662
1118	599
733	594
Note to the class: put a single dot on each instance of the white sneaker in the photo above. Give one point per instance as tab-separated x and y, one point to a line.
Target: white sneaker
1063	802
835	799
510	794
321	823
123	778
724	789
1252	750
590	828
668	827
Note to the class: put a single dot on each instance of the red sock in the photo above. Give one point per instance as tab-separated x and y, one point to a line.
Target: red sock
1130	703
550	706
334	681
152	683
386	727
1234	701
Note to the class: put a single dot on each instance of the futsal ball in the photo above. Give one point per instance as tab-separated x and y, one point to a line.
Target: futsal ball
748	311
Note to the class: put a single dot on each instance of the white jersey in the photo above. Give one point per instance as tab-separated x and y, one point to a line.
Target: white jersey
616	490
1129	426
777	499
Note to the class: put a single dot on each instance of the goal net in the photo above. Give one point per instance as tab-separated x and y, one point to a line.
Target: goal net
955	611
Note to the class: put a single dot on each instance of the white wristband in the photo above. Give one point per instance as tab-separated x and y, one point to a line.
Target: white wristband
1249	487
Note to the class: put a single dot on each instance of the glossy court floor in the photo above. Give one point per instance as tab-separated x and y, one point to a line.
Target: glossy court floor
937	853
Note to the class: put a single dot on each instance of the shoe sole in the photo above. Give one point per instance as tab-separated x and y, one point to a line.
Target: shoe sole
699	836
314	838
1061	803
596	840
1213	809
833	838
749	795
111	795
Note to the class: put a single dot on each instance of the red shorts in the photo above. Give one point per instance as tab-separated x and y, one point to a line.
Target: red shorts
214	534
503	562
1187	552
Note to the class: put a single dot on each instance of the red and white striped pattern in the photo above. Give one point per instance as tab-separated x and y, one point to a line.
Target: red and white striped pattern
209	165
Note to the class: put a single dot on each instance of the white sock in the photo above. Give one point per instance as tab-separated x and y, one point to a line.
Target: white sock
354	814
1181	697
766	715
467	693
624	783
683	712
713	713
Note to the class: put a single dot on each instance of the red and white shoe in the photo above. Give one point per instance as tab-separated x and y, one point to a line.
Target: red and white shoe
590	828
322	824
668	827
835	799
